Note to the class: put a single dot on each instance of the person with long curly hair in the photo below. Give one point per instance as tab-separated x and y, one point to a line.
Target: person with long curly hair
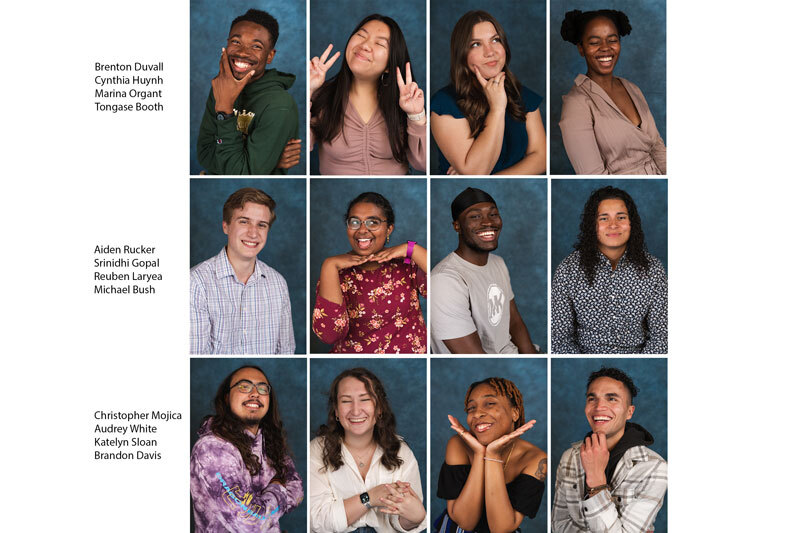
368	298
606	123
486	121
610	294
363	476
242	477
491	478
370	117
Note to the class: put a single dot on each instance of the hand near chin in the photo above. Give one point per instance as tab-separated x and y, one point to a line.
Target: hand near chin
412	99
594	457
468	438
494	448
494	89
343	261
225	87
393	252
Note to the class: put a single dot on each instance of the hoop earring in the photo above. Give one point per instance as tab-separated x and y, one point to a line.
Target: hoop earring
384	79
337	418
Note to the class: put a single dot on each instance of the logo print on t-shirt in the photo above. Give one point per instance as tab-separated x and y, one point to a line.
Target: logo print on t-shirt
496	300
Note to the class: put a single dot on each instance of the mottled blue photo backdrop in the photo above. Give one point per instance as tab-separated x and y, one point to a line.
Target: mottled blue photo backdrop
405	383
332	22
568	400
523	240
526	29
210	24
568	197
450	379
288	379
285	250
329	200
642	60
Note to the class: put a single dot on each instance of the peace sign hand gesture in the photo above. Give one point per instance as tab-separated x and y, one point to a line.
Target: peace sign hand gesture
318	66
412	99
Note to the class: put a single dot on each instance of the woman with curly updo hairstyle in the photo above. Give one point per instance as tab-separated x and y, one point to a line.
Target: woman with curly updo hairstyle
606	123
358	447
491	478
486	121
610	294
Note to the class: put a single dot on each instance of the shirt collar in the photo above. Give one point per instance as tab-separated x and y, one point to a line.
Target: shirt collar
223	267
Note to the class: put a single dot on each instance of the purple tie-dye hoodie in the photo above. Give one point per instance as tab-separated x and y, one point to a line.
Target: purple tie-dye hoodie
227	498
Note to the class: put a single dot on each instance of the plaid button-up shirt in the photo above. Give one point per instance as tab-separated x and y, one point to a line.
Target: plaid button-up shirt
231	317
636	493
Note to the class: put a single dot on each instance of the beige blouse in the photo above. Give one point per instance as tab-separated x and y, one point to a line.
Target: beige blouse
600	139
364	149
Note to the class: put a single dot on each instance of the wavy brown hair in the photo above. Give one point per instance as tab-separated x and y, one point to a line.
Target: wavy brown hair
227	426
384	433
469	94
503	387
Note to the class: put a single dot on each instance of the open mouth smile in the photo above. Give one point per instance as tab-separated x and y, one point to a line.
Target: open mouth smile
605	60
364	244
487	235
241	65
253	404
601	419
483	426
250	244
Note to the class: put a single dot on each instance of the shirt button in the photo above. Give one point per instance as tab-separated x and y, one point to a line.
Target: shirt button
586	509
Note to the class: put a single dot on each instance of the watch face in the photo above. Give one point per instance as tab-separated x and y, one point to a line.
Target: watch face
365	498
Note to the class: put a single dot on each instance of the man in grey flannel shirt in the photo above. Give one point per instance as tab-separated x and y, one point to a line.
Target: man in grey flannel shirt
611	482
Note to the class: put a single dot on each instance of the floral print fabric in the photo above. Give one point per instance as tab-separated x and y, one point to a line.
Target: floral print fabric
380	312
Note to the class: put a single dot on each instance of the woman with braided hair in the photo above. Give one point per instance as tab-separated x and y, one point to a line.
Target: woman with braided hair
605	121
491	479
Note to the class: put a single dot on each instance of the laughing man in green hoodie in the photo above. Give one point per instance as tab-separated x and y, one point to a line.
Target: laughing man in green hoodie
250	125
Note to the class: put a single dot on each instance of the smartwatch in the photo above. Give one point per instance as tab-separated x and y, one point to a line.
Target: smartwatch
223	116
365	500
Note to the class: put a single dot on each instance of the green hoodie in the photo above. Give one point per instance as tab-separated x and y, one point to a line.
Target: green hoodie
222	149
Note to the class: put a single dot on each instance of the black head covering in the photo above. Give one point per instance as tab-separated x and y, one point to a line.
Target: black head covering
467	198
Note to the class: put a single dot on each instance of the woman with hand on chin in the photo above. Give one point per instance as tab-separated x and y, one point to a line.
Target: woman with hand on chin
605	120
368	298
491	479
370	117
485	121
363	477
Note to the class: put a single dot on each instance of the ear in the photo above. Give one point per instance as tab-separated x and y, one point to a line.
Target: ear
631	408
515	414
389	231
224	227
580	49
457	226
270	56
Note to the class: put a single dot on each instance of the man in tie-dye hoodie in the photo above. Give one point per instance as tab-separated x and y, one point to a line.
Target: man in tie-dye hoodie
242	478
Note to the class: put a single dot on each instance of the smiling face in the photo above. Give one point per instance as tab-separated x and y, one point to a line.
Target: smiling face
613	226
249	48
486	50
355	407
600	46
489	415
608	407
247	232
365	241
249	407
367	51
479	227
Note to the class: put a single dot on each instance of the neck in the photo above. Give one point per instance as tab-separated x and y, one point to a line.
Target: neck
362	89
613	254
471	255
603	80
242	269
612	441
358	442
252	429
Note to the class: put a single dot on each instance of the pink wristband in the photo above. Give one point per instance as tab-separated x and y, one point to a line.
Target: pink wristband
409	251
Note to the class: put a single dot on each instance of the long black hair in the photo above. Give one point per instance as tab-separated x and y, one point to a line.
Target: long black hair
328	102
273	436
636	249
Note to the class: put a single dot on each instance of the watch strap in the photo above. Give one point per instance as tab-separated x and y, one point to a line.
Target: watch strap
409	251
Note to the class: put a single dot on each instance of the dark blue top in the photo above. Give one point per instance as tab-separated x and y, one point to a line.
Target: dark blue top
515	139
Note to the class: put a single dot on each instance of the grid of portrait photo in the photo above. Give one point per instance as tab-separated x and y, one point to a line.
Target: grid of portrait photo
428	277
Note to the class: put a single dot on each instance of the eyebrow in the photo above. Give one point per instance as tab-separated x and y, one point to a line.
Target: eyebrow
248	218
259	41
484	396
607	213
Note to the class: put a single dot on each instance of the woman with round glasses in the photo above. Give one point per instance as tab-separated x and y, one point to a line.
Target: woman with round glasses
370	117
491	478
362	476
368	298
605	121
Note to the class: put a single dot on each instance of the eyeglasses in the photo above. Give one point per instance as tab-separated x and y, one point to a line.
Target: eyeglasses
245	386
353	223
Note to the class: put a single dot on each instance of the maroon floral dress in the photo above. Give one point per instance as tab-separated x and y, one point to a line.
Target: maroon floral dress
380	313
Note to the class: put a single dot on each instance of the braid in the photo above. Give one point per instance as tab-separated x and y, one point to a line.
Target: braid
503	387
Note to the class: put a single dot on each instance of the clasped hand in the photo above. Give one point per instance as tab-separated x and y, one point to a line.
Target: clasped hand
399	499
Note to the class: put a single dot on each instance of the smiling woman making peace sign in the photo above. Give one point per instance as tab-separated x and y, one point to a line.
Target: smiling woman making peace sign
369	118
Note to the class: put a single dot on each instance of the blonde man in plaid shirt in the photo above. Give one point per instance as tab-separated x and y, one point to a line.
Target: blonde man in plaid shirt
611	482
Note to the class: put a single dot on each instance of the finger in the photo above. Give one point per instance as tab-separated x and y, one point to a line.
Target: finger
331	61
389	510
222	61
595	440
481	79
400	82
315	63
292	149
327	51
408	73
601	440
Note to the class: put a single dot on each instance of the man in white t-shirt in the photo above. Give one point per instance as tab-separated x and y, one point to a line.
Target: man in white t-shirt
472	304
